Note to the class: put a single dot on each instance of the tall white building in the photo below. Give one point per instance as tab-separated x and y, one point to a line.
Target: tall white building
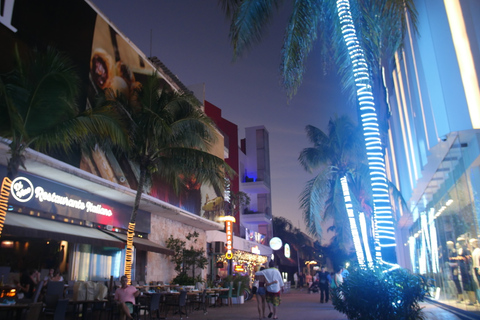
254	171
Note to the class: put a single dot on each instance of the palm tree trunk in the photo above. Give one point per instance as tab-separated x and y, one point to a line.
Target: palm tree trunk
4	194
131	225
383	216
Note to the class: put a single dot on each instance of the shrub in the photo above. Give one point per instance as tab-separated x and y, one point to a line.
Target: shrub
376	293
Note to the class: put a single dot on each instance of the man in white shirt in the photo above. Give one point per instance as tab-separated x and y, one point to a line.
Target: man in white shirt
274	286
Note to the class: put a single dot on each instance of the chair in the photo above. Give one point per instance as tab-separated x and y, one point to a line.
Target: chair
4	271
227	295
33	312
52	295
69	289
55	288
38	290
151	306
202	302
181	303
59	312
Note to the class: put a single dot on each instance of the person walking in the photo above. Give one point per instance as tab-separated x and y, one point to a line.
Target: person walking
274	286
324	279
338	277
295	279
261	294
338	280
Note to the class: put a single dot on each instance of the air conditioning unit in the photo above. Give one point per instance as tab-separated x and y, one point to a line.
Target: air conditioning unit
218	247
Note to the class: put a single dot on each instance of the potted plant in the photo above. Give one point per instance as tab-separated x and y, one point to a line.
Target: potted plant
378	293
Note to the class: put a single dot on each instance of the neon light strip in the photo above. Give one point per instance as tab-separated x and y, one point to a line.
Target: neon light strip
418	86
396	80
407	119
465	59
363	227
353	224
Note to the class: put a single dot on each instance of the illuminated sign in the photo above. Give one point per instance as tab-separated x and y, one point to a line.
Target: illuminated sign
286	250
239	268
255	250
229	220
23	191
275	243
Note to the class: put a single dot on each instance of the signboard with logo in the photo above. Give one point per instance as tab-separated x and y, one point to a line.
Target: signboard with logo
229	220
275	243
46	196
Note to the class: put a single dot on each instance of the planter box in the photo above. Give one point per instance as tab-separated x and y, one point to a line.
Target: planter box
235	300
238	300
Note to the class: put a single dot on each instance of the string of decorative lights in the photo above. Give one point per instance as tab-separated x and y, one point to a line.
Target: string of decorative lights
4	194
383	217
129	251
242	257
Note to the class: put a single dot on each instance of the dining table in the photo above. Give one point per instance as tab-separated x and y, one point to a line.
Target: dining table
12	311
215	293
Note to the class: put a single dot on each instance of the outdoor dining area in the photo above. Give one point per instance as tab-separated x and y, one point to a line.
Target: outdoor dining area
59	300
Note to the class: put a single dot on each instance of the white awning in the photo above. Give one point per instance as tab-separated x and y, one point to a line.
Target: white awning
142	244
33	227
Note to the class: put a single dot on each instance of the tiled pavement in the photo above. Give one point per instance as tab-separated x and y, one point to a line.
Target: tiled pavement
301	305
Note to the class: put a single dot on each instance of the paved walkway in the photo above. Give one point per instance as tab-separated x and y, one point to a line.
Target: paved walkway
299	305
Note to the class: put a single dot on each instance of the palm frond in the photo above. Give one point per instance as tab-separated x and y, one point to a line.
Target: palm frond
313	199
299	39
176	163
229	6
248	23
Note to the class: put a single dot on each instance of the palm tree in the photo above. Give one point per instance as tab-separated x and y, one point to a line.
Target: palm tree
38	104
359	36
170	138
284	229
336	154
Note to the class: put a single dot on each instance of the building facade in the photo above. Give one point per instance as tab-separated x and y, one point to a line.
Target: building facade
250	245
254	172
434	148
72	212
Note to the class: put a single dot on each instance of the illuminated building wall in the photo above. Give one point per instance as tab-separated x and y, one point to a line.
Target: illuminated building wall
434	143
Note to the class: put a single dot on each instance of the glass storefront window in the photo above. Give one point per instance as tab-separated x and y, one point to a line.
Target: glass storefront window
97	263
444	237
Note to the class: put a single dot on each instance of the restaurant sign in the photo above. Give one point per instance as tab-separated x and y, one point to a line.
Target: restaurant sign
23	191
229	220
32	193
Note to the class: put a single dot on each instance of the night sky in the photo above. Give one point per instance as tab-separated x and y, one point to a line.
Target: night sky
191	38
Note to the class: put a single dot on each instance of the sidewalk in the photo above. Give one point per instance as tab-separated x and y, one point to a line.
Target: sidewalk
299	305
